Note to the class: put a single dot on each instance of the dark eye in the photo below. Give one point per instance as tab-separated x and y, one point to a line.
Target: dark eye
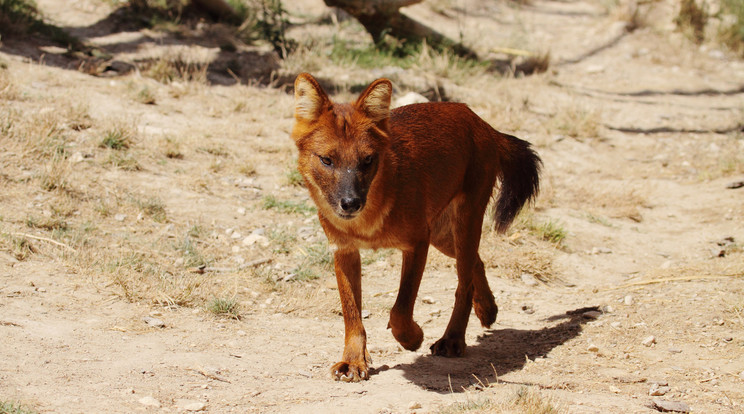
326	160
368	160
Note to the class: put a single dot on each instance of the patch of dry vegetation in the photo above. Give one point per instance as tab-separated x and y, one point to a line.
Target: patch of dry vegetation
524	400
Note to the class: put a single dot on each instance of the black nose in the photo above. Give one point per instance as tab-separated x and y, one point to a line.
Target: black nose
351	204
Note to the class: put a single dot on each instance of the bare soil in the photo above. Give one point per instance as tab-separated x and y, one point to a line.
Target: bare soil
640	132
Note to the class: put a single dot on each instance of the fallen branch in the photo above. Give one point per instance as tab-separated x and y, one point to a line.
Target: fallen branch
672	279
666	129
254	263
46	239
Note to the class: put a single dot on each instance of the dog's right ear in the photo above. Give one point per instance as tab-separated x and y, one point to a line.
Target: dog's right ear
310	99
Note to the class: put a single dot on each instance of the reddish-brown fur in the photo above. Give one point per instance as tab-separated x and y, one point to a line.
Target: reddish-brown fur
415	176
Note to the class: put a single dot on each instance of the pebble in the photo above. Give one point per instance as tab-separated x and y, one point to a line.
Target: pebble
154	322
120	217
190	405
149	401
600	250
414	405
628	300
657	390
365	314
614	389
591	314
529	279
241	211
592	348
674	350
674	406
428	300
528	309
741	375
253	239
650	340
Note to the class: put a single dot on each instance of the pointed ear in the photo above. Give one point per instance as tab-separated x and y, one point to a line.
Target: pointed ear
310	99
375	100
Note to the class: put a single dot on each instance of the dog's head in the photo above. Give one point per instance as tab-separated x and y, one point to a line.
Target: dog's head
341	146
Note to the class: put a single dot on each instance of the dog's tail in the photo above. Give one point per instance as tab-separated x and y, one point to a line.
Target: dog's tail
520	179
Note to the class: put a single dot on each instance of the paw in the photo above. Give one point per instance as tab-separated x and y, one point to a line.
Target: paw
448	347
350	372
409	335
485	310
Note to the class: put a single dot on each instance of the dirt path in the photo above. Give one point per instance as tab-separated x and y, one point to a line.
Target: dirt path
638	133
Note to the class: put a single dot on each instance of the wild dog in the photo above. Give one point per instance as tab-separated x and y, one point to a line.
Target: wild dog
407	178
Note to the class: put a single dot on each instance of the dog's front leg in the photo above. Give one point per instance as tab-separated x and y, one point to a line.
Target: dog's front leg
405	330
355	364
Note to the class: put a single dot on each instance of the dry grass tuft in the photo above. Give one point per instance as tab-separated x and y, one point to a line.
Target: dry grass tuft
178	64
577	122
524	401
731	31
8	89
691	20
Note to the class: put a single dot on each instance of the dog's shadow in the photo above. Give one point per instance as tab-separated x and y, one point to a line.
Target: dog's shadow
496	353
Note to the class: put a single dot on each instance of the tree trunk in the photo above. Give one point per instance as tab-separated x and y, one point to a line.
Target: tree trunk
381	17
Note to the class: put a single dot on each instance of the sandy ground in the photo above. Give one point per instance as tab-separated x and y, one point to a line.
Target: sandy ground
638	179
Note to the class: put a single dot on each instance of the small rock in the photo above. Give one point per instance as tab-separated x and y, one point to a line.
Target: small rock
236	235
528	309
414	405
616	324
154	322
614	389
149	401
77	157
120	217
235	249
365	314
628	300
190	405
674	350
241	211
253	239
592	348
666	265
657	390
670	406
428	300
529	279
600	250
650	340
741	375
591	314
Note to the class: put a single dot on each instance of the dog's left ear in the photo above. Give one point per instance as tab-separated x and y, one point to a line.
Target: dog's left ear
375	100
